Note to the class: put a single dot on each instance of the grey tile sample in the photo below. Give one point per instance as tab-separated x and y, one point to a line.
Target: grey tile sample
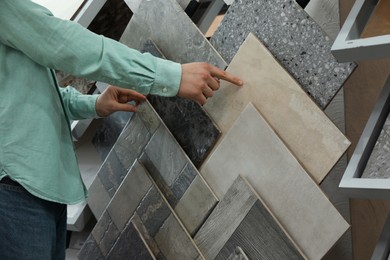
105	233
178	179
130	245
165	22
241	219
260	237
238	254
90	250
109	131
187	121
378	165
296	41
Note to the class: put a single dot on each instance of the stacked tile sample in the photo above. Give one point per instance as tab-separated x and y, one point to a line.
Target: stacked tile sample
238	254
316	142
168	26
241	219
147	138
378	165
297	42
252	148
138	215
186	120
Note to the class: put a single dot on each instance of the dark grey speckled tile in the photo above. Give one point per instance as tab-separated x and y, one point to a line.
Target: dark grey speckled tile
90	250
187	121
299	43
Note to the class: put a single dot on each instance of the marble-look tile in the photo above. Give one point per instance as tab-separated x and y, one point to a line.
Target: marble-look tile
105	233
109	131
253	149
238	254
164	22
90	250
130	245
186	120
307	131
378	165
296	41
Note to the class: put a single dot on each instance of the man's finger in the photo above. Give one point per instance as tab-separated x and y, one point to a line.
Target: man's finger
220	74
134	95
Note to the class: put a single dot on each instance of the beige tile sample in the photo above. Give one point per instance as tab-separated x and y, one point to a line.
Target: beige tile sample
251	148
300	123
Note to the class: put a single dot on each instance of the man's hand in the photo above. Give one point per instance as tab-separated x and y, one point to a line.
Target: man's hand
116	99
199	81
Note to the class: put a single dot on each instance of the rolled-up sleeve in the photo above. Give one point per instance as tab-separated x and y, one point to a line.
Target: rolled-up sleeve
67	46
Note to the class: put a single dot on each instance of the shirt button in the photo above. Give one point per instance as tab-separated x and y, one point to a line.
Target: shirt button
164	90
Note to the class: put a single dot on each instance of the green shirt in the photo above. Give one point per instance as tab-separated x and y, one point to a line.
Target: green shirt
36	147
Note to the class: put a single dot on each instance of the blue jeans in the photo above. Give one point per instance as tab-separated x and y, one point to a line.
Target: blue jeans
30	228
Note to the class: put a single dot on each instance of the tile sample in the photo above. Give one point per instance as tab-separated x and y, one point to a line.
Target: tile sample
164	22
105	233
241	219
326	14
126	150
306	130
90	250
252	148
109	131
378	165
130	245
238	254
296	41
186	120
178	179
134	4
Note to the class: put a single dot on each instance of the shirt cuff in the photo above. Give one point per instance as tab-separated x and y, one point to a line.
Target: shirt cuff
87	105
167	79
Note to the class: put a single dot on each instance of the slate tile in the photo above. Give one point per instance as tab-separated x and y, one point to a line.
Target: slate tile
90	250
105	233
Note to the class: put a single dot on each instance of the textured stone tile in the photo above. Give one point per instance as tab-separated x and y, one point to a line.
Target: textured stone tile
238	254
83	85
252	148
153	211
187	121
105	233
111	174
129	195
378	165
166	155
109	131
184	180
296	41
195	205
174	242
316	142
98	198
90	250
165	22
130	245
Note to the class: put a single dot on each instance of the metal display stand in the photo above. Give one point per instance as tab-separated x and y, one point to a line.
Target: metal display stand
349	46
352	183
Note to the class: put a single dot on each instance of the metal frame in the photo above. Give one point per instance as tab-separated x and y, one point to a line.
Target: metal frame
382	248
348	45
351	182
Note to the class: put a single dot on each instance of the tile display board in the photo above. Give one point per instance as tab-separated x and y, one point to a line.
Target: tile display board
271	146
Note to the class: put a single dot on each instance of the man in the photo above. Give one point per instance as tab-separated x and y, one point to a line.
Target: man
39	174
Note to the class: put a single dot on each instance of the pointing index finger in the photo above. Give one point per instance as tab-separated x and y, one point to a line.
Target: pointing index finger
221	74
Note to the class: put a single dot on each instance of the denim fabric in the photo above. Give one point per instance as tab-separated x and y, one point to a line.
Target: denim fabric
30	228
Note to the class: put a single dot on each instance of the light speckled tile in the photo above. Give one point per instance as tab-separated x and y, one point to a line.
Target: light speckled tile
307	131
165	22
297	42
237	221
252	148
378	165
